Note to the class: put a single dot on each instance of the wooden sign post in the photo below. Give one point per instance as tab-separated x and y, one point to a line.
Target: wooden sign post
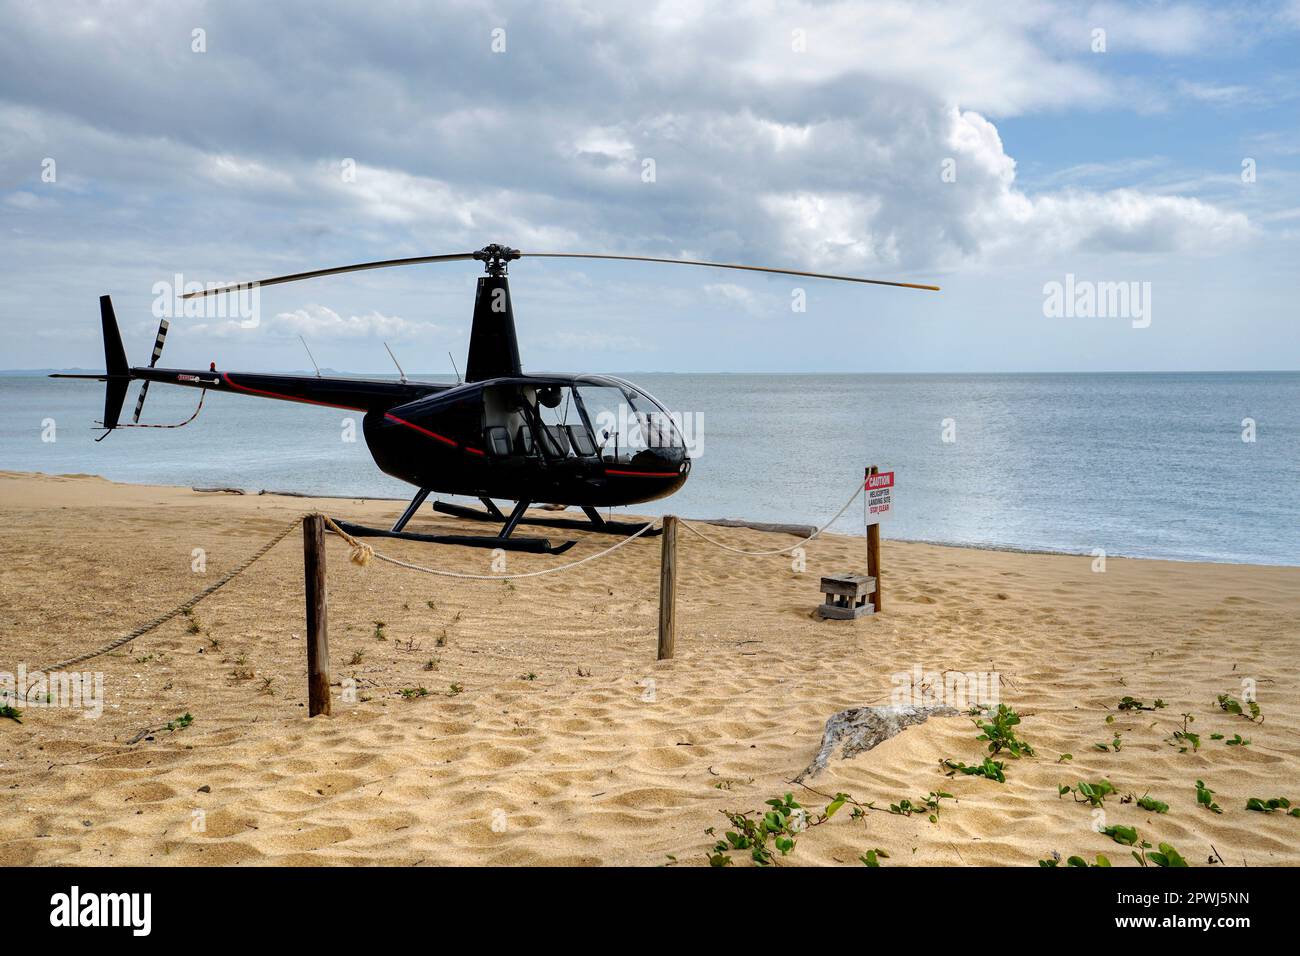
668	590
318	649
873	552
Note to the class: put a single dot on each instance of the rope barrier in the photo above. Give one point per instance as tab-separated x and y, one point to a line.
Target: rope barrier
180	609
362	553
718	544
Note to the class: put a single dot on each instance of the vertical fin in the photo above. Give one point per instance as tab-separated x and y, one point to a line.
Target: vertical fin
119	373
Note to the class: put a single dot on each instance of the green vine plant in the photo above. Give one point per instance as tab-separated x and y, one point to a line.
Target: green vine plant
1115	744
1074	861
1272	805
990	769
1091	793
776	829
1205	797
999	729
1184	739
1125	836
1233	706
1152	805
1165	856
773	833
929	805
1130	703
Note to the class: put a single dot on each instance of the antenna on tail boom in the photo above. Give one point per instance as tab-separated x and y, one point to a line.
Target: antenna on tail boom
400	373
309	355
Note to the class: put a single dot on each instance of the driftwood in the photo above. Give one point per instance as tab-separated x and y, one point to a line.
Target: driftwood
303	494
219	491
859	729
798	530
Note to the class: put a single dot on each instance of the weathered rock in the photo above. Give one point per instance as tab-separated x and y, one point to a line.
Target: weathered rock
859	729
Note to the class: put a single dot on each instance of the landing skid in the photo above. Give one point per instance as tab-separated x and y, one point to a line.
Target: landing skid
532	545
594	521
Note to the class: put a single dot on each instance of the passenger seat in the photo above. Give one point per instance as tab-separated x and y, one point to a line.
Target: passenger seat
555	441
581	442
498	441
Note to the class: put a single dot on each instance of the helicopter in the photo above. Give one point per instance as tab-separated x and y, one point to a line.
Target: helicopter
584	440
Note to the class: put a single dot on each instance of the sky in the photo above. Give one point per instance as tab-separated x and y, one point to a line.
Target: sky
1030	158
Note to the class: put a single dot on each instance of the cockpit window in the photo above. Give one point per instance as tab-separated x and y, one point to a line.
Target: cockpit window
600	417
625	422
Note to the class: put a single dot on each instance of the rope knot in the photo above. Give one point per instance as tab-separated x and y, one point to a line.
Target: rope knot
361	552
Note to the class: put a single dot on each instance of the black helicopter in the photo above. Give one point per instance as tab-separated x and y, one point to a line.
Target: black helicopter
587	440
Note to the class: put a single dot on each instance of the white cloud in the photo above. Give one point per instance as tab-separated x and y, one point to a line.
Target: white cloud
322	322
736	298
1217	95
22	199
319	322
228	164
590	341
1167	29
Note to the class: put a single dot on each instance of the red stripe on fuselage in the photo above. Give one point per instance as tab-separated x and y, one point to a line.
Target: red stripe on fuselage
225	376
643	474
423	431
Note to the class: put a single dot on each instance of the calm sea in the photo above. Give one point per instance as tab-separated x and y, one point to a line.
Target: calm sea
1148	465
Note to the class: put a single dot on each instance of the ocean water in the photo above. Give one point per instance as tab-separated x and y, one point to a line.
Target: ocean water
1145	465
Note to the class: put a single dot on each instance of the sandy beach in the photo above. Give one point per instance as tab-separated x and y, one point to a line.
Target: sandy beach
548	733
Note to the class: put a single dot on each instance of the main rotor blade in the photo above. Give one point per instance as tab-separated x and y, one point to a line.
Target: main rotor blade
727	265
359	267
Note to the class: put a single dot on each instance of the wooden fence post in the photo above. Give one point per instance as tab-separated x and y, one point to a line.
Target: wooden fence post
318	649
668	589
873	552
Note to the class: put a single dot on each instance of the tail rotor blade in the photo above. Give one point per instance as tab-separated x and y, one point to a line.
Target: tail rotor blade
157	351
139	402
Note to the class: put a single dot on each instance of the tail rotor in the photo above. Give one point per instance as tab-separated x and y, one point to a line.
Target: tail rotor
157	352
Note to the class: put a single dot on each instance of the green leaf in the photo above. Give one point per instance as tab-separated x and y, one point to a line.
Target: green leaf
1168	857
1126	836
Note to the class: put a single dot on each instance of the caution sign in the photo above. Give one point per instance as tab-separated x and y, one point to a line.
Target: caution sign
880	496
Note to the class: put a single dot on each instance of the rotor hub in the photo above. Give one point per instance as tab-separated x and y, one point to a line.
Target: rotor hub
494	257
